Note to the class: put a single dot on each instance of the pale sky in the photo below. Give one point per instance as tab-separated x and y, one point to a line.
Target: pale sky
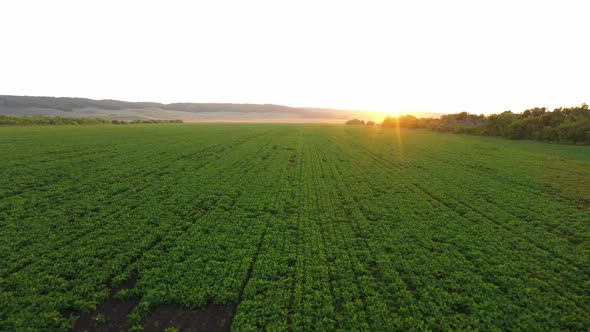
389	56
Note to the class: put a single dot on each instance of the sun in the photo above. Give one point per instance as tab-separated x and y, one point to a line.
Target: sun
379	115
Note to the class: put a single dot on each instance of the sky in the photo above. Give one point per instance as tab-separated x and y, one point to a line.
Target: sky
389	56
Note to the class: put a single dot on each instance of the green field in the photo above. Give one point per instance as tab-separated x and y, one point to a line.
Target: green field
290	227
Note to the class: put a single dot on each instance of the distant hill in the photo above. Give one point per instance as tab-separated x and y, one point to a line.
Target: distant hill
189	112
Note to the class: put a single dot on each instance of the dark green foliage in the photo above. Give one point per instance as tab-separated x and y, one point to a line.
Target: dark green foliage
498	124
356	122
569	125
458	122
298	227
46	120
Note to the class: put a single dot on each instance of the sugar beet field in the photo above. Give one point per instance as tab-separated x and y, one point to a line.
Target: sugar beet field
290	227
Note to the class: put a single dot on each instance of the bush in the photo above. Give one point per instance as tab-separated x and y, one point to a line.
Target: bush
355	122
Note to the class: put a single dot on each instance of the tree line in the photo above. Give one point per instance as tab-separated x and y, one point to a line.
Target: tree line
7	120
358	122
569	124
